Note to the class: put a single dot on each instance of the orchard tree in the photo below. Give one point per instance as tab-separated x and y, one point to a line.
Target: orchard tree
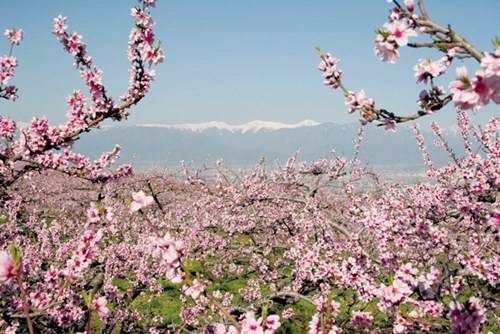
35	147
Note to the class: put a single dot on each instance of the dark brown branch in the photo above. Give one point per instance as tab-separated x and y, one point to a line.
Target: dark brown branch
432	45
155	197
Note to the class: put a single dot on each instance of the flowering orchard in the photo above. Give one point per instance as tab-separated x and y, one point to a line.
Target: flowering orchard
303	248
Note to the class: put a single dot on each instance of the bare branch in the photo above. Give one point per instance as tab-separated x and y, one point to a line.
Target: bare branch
423	11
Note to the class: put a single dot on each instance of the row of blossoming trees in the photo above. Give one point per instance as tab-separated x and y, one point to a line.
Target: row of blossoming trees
304	248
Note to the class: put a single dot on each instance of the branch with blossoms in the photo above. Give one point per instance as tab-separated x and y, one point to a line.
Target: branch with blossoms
35	149
465	92
8	63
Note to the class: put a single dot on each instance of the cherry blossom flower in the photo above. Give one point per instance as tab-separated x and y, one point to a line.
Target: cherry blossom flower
140	200
288	313
426	68
60	25
99	305
466	318
148	3
361	319
386	50
6	266
389	125
221	329
356	101
410	4
250	325
399	32
470	94
391	295
14	36
491	63
272	323
328	66
195	289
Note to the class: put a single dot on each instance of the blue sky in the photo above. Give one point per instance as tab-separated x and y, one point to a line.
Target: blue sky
231	60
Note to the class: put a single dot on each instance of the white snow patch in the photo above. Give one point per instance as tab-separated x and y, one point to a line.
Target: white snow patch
252	126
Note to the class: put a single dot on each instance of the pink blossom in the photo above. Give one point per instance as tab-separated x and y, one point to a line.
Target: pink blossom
140	200
6	266
169	251
399	32
14	36
361	319
221	329
410	4
356	101
9	329
389	125
148	3
491	63
60	25
426	68
328	66
491	67
100	307
288	313
471	94
250	325
93	215
272	323
407	274
401	325
466	318
385	50
391	295
7	128
195	289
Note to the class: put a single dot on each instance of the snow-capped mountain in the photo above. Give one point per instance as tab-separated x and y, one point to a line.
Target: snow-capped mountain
148	145
253	126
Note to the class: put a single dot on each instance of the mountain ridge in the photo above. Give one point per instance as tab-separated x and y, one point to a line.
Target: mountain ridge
244	146
252	126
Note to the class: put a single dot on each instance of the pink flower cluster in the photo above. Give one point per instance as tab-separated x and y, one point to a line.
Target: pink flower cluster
142	49
169	251
140	200
7	66
249	325
6	267
7	129
394	294
323	321
428	69
99	305
395	34
84	254
466	319
357	101
361	319
485	86
14	36
92	76
195	288
328	66
34	148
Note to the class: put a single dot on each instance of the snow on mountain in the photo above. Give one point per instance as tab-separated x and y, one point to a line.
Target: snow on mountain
252	126
245	144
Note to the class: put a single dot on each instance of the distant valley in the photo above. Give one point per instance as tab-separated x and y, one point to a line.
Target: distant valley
241	146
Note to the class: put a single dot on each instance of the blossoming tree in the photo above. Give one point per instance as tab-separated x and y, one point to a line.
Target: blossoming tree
305	248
